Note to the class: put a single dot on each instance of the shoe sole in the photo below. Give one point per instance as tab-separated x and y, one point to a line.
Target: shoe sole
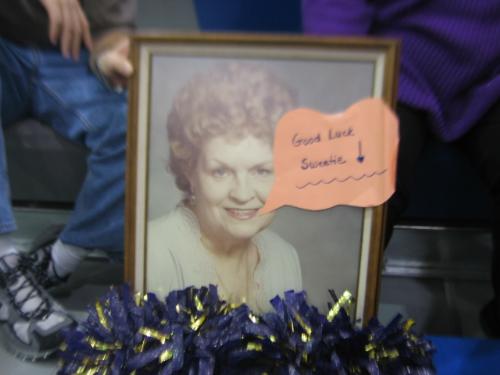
20	350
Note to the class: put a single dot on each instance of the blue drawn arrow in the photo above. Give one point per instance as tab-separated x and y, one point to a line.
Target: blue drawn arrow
360	157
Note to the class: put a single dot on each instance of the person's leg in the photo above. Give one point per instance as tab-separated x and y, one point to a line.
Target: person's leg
14	105
481	146
72	100
31	319
413	134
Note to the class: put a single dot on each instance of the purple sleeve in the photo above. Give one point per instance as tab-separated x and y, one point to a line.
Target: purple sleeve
337	17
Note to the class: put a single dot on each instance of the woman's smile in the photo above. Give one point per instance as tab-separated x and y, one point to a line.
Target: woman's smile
242	213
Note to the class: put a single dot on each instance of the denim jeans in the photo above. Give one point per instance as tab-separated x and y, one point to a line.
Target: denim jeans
68	97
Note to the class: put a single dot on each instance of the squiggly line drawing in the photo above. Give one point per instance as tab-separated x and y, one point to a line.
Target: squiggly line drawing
364	175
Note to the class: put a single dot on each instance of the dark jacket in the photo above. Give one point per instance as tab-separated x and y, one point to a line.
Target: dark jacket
26	21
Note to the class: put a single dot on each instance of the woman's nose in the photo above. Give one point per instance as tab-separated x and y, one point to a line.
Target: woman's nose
241	190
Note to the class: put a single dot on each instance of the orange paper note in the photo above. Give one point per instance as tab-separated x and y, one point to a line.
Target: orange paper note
323	160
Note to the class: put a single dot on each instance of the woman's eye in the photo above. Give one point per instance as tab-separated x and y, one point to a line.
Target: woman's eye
219	172
264	172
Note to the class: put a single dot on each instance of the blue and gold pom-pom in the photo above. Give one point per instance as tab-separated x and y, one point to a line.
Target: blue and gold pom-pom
194	332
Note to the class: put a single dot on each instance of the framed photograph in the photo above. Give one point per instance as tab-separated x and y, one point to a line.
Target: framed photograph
203	109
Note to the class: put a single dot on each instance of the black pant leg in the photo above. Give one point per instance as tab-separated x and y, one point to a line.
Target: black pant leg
482	146
413	135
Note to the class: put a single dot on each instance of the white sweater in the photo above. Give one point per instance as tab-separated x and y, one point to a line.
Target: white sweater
176	259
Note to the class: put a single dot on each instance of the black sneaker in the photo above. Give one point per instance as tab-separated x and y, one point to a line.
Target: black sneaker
39	259
31	319
40	264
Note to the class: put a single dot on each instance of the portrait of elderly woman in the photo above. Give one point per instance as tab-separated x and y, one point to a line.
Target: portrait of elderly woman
220	137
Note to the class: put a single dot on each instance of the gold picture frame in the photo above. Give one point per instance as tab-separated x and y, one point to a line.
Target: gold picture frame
338	248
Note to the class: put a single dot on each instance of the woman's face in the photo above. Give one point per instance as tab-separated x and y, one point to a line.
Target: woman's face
231	181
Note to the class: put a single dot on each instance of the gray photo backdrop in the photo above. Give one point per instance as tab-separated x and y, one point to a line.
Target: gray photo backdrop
328	242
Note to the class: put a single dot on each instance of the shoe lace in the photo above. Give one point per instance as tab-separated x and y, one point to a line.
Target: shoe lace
39	263
18	279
